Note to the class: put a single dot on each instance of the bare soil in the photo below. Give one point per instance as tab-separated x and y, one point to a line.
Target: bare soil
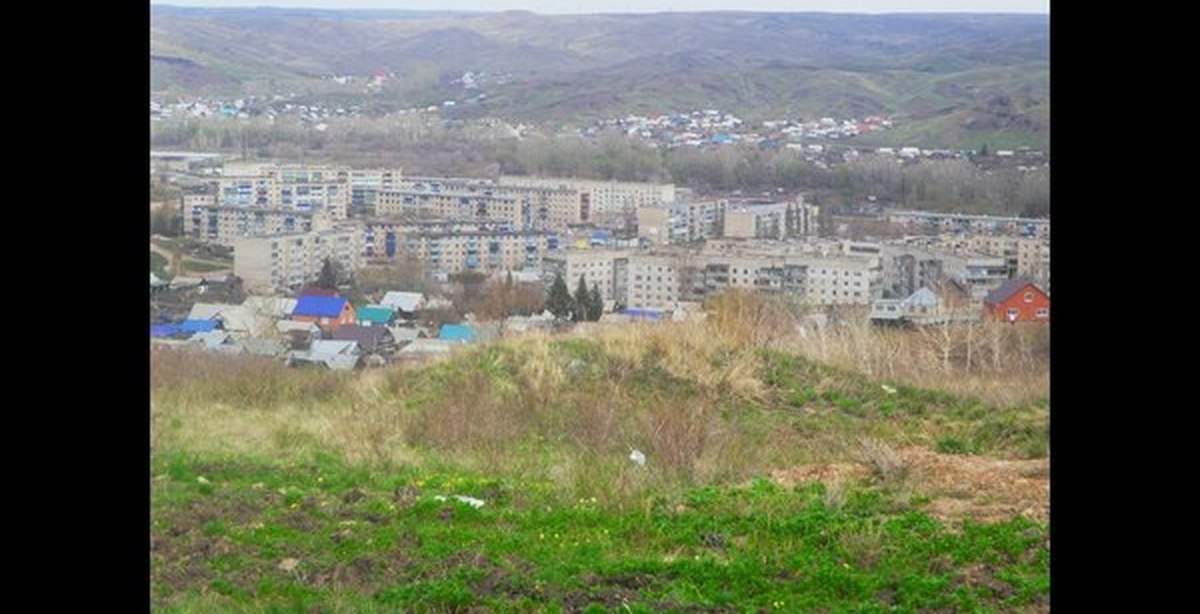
959	486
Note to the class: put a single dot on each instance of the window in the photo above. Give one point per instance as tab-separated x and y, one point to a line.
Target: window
1043	312
1012	313
1028	297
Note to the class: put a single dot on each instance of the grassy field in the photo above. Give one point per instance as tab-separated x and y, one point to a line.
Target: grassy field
196	266
771	483
158	265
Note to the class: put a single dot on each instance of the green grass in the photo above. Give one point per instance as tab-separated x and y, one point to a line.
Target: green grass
158	265
367	540
195	266
339	473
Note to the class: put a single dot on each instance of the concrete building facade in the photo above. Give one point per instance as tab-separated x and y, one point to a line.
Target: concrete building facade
286	262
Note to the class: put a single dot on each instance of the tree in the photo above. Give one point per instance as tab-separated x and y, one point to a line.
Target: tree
330	275
582	303
595	304
559	301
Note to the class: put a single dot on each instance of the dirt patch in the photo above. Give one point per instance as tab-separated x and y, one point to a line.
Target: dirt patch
825	473
958	486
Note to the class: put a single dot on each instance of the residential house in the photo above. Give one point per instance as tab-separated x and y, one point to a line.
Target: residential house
199	326
945	300
460	333
370	339
375	315
328	312
426	348
215	341
1018	300
333	354
405	304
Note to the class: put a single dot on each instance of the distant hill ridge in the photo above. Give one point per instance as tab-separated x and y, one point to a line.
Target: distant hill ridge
922	67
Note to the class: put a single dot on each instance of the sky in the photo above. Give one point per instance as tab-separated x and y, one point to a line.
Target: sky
652	6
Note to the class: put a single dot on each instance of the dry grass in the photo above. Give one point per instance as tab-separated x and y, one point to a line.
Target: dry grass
886	466
693	396
998	363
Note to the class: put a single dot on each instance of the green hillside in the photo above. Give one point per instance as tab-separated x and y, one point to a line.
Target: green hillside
770	482
946	74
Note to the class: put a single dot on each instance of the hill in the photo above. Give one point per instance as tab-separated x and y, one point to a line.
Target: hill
938	73
501	479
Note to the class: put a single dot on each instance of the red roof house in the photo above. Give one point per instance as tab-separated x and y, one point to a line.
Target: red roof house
1018	300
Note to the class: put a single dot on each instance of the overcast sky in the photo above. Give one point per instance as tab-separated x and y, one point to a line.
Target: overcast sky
651	6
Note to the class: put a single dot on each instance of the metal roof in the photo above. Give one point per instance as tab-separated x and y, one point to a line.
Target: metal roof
457	332
367	337
198	326
403	301
319	306
376	314
1008	289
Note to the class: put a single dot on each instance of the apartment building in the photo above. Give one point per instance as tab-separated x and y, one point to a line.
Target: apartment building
769	220
681	222
606	269
366	184
961	223
486	252
285	262
225	225
524	207
662	280
300	188
1024	257
383	237
607	198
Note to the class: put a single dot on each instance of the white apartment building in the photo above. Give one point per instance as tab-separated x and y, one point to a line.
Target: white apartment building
269	265
663	280
770	220
606	269
606	197
487	252
299	188
524	207
962	223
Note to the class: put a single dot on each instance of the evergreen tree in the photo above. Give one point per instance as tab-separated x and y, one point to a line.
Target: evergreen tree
595	304
582	302
559	301
328	279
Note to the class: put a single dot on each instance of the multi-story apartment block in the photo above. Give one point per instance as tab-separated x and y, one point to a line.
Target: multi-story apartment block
298	188
757	220
225	225
383	238
606	269
366	184
681	222
1024	257
528	208
265	200
962	223
663	280
486	252
609	201
286	262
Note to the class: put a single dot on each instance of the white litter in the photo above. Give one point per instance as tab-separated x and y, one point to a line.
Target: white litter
889	389
471	501
637	457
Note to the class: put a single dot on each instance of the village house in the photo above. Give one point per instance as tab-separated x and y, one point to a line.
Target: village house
1018	300
370	339
328	312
